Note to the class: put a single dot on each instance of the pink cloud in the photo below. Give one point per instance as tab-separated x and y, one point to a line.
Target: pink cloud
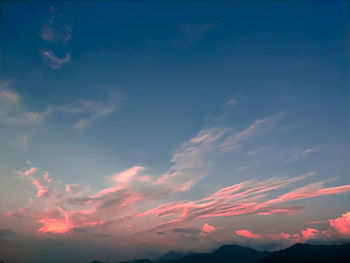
338	227
341	224
42	189
126	176
65	225
309	233
243	198
309	191
47	177
122	200
54	225
30	171
145	178
207	229
281	210
248	234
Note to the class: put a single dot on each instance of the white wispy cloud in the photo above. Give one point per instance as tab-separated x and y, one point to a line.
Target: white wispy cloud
53	61
296	154
231	103
192	161
257	150
56	29
89	111
243	167
257	127
14	112
9	95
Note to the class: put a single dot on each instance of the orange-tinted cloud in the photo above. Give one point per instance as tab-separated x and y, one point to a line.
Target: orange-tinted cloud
339	228
64	209
341	224
248	234
309	233
127	176
54	225
207	229
309	191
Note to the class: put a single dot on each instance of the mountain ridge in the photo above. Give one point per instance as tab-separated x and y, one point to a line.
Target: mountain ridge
231	253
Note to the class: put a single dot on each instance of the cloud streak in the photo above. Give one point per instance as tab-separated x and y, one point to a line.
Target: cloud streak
70	207
248	234
191	161
14	112
134	196
54	61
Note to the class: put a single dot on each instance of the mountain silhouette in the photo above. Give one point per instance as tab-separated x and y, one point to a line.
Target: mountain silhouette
224	254
304	253
238	254
298	253
144	260
170	256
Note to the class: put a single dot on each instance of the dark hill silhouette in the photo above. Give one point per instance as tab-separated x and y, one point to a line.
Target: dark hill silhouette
235	253
193	258
144	260
170	256
304	253
298	253
224	254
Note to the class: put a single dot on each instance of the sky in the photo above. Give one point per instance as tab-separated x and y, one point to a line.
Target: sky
131	128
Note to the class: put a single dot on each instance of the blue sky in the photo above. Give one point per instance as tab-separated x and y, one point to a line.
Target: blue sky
186	98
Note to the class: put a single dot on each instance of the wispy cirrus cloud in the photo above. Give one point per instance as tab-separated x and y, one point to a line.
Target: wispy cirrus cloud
191	161
9	95
56	29
243	167
309	191
41	184
231	103
133	195
296	154
257	150
244	198
54	61
14	112
65	209
88	111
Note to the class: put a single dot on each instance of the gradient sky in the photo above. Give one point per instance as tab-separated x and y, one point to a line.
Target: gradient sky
131	128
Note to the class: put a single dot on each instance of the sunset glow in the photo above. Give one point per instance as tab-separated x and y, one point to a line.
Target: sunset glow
170	130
